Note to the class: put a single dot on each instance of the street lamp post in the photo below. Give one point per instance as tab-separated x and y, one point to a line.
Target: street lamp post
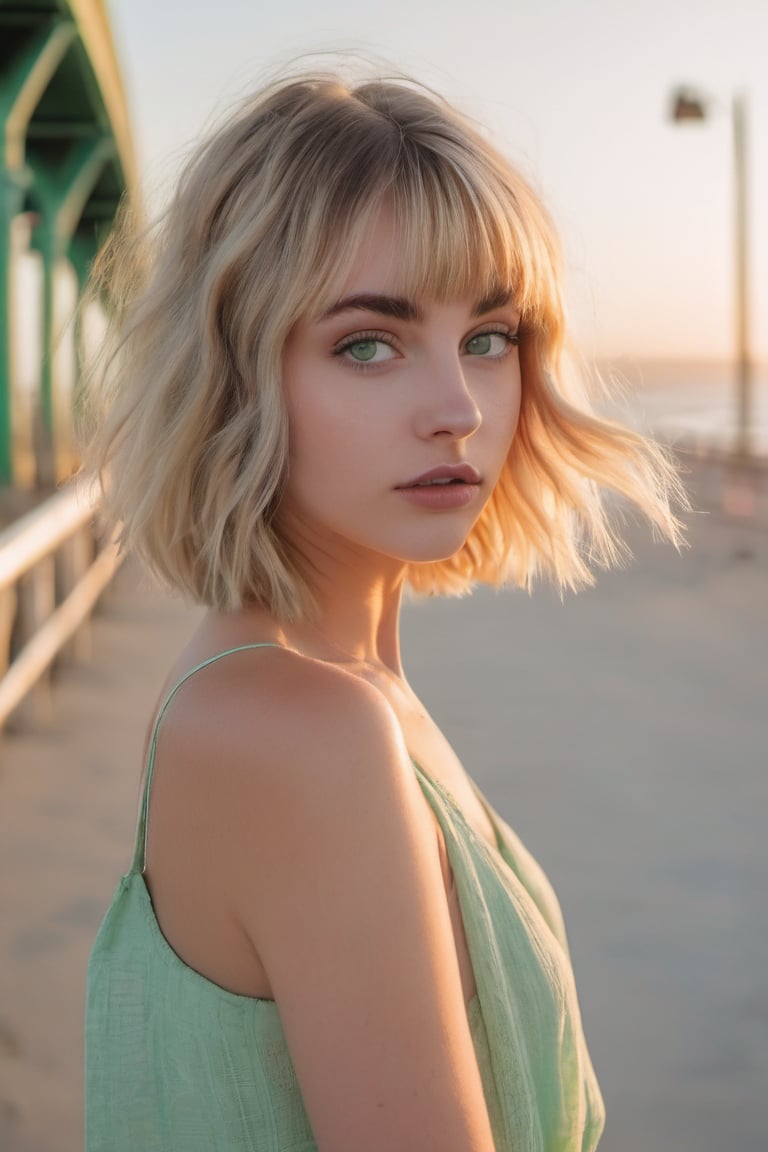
689	104
741	216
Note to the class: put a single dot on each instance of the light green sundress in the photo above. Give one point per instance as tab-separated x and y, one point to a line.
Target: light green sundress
174	1063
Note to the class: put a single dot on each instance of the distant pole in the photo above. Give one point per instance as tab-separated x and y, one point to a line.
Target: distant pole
741	222
690	104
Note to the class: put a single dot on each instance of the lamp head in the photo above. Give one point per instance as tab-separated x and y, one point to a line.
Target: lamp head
687	104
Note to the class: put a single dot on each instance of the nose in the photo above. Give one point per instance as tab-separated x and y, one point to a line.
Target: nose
445	405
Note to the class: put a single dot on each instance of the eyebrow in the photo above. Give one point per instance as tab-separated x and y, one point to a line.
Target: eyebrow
400	308
496	299
395	306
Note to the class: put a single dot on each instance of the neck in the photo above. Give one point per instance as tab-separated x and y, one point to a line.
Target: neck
358	596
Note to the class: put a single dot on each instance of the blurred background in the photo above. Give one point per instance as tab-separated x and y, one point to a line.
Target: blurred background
621	732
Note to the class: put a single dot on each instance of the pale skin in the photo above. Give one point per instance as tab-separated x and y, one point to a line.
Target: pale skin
292	854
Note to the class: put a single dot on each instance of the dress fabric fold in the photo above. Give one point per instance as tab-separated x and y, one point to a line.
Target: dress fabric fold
175	1063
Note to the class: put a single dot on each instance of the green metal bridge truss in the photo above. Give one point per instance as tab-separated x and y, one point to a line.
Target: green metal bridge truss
67	158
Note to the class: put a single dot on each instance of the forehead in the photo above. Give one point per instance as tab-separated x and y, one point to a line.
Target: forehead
378	258
394	255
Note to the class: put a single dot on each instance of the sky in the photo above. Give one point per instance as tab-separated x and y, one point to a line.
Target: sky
575	92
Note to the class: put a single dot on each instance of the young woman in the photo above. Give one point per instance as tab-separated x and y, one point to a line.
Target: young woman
340	375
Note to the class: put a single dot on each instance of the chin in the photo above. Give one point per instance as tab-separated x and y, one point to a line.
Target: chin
431	554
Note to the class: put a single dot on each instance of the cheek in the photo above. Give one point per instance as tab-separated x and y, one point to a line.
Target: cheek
503	414
331	416
327	437
310	422
515	400
514	422
513	403
329	441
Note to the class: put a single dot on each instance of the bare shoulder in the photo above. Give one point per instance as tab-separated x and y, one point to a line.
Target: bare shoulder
326	854
264	749
262	706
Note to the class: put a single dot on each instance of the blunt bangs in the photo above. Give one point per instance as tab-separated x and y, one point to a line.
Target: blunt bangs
468	225
463	236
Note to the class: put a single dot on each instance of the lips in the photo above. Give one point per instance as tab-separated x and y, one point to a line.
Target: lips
444	475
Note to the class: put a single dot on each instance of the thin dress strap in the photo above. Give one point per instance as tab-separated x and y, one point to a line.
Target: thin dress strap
140	846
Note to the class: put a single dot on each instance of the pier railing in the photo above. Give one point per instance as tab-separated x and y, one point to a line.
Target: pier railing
53	568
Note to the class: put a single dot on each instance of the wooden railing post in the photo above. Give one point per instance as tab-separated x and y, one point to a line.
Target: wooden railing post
37	600
8	602
72	562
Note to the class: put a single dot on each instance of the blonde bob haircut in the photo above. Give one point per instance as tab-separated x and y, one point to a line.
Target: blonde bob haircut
186	427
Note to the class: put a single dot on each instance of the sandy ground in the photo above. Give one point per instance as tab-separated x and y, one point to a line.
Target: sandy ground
623	732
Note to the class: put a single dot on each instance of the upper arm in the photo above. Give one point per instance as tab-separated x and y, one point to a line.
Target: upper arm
341	891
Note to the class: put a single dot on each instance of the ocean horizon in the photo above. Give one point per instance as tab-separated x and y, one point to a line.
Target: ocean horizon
693	402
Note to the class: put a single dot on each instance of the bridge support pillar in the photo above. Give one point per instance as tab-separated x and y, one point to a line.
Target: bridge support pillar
62	193
12	189
82	253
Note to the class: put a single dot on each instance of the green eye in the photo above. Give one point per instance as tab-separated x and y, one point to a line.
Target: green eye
491	345
363	350
480	345
366	349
